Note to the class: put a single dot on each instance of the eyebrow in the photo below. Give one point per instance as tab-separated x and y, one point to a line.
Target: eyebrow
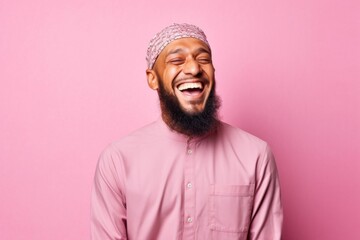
198	50
176	50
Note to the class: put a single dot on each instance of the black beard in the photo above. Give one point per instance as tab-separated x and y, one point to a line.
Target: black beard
192	125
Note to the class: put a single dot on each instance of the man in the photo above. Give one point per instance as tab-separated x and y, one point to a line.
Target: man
187	175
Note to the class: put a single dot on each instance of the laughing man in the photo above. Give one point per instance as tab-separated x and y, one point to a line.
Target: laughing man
187	175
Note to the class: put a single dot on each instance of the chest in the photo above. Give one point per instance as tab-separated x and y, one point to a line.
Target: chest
170	171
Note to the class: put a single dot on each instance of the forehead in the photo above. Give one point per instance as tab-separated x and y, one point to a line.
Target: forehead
185	45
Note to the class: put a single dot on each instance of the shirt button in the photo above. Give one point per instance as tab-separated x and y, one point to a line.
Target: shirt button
189	185
189	220
189	151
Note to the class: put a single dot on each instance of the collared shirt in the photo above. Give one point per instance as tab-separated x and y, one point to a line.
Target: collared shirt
156	184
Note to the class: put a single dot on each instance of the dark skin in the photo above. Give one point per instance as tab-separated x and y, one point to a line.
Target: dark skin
186	72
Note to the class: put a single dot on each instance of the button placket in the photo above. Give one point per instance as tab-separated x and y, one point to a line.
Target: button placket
189	194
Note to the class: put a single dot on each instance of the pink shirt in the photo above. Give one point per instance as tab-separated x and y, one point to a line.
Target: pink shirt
156	184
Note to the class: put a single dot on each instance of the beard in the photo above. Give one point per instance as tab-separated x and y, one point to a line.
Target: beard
190	124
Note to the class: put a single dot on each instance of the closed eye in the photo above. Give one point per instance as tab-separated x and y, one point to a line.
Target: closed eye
176	61
204	60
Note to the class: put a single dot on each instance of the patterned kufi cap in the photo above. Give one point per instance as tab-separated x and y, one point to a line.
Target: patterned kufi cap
169	34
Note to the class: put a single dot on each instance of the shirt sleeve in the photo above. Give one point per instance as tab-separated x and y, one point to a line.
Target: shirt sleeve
267	215
108	206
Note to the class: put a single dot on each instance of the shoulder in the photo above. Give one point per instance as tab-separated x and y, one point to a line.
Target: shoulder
246	144
234	134
138	137
143	138
113	155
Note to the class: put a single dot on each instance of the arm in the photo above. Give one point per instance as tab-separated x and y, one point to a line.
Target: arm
267	215
108	207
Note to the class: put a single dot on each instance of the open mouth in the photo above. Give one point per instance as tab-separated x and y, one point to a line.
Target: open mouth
191	88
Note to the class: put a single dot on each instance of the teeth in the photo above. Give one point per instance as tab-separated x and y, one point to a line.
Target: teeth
185	86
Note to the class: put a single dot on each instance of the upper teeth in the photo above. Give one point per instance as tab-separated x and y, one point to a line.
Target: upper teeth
185	86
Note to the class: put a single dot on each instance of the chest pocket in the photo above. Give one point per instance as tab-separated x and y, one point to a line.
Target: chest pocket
230	208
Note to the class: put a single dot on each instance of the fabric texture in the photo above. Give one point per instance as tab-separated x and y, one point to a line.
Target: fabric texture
169	34
158	184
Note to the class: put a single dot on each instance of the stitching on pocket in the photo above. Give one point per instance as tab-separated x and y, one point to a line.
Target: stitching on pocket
225	201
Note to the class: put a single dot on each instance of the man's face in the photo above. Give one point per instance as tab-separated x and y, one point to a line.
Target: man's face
183	76
185	70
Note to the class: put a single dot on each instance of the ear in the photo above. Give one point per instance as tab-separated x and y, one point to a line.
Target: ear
152	79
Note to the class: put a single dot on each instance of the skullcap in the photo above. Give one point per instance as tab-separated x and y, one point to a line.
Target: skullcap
169	34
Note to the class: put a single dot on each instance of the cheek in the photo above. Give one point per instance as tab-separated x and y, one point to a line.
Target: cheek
211	77
209	71
169	76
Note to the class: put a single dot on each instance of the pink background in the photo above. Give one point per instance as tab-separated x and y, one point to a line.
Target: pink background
72	79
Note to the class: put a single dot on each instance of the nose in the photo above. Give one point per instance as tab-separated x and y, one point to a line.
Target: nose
192	67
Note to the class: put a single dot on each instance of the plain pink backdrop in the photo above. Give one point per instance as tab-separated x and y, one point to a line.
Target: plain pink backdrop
72	79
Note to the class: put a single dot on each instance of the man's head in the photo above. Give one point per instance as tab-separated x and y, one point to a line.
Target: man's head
180	69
